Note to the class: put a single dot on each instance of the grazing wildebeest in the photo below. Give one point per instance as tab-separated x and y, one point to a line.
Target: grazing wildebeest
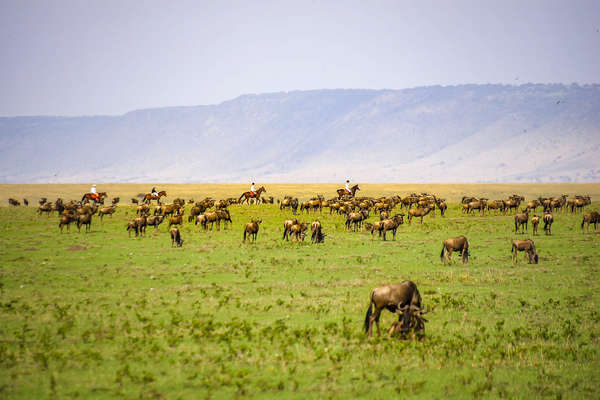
535	221
401	298
342	192
176	237
418	212
155	220
134	200
496	205
528	247
548	220
317	235
140	225
356	218
148	197
392	224
251	229
13	202
176	220
590	218
460	244
26	202
246	196
287	224
297	231
521	220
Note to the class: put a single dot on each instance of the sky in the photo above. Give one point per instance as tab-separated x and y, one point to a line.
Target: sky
110	57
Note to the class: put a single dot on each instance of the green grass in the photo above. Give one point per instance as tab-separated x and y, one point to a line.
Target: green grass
102	315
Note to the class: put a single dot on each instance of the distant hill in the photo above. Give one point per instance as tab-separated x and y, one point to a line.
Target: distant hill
466	133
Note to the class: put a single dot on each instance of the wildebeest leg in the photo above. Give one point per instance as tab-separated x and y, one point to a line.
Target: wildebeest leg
514	251
449	254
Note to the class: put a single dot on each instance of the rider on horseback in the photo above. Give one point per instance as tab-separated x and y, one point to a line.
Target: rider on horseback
252	189
348	186
93	192
154	192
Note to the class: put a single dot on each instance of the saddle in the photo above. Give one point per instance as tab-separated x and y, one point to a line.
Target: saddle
251	194
94	196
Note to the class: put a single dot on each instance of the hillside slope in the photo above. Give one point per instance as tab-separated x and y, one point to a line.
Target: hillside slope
467	133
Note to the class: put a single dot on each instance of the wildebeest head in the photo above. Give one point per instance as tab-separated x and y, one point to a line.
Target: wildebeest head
411	319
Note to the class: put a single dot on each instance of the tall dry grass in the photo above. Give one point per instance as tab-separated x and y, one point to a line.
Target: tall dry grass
451	192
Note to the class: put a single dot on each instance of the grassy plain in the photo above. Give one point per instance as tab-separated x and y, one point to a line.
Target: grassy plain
103	315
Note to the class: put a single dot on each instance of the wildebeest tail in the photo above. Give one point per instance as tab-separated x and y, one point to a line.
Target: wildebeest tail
368	316
582	222
244	235
442	253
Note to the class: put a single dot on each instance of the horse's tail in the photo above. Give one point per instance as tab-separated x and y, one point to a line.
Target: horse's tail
83	197
243	194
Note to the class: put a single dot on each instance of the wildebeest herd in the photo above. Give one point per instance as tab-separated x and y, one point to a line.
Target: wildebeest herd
403	298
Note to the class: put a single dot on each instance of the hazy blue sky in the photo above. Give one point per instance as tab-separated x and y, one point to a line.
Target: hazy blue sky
110	57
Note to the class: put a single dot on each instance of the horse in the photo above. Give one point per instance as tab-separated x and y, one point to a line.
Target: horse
96	197
149	196
246	196
460	244
341	192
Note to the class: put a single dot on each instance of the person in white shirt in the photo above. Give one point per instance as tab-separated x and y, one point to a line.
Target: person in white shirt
348	186
252	189
93	189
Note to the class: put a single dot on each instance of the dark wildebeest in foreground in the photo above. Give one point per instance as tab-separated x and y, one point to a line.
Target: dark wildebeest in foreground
176	237
528	247
548	220
84	219
401	298
590	218
251	229
317	235
535	221
459	244
155	220
521	221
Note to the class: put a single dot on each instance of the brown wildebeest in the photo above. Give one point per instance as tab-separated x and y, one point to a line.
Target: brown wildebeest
528	247
418	212
496	205
460	244
26	202
520	221
134	200
477	205
513	202
106	211
441	205
246	196
201	221
356	218
45	208
132	226
401	298
155	221
148	197
392	225
43	200
84	219
548	220
342	192
13	202
287	224
251	228
590	218
317	235
176	220
65	220
176	237
377	226
535	221
140	225
297	231
115	201
142	209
